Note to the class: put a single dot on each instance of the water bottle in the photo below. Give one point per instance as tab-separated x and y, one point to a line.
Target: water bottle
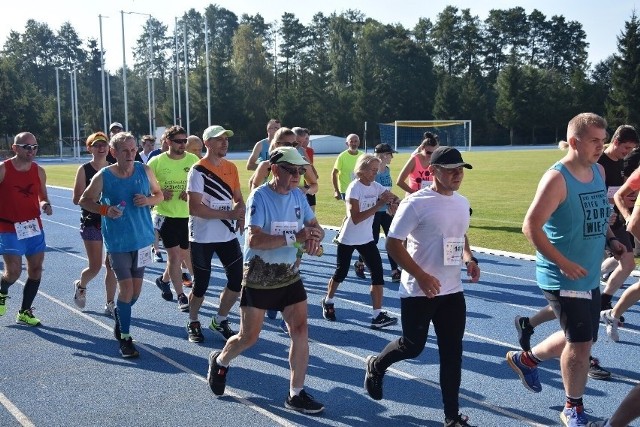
302	249
121	206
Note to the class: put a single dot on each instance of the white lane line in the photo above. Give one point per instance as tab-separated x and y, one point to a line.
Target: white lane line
17	414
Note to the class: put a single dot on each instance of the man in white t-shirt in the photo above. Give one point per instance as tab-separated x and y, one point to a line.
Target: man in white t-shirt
216	212
434	221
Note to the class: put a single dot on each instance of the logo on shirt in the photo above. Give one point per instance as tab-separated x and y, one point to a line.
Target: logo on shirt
297	213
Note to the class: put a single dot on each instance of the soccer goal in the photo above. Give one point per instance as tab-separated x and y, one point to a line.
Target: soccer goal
410	133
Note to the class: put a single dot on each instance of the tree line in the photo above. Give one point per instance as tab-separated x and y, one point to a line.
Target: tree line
519	77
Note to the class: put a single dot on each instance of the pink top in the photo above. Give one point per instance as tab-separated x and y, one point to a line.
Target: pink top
419	176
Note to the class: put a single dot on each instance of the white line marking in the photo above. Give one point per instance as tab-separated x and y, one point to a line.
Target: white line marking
17	414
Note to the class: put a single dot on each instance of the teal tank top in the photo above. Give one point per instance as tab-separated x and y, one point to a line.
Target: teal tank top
134	229
578	229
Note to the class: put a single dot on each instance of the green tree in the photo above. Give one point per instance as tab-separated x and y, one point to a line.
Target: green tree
623	106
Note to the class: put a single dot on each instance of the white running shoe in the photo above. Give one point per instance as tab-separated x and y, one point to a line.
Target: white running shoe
611	325
79	295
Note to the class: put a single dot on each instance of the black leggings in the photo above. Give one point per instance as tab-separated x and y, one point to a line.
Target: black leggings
448	314
372	260
230	256
382	219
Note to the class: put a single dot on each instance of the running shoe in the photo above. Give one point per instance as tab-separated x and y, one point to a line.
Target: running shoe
373	379
460	421
183	302
529	376
217	375
127	349
328	310
109	307
575	417
26	317
3	303
304	403
395	276
186	280
223	327
165	288
525	330
383	320
596	371
611	325
79	295
272	314
194	332
157	256
359	269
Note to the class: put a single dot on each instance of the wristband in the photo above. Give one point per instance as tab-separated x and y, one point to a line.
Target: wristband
104	209
290	238
473	259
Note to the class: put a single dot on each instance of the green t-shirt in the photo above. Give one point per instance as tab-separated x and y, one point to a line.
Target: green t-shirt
172	174
345	164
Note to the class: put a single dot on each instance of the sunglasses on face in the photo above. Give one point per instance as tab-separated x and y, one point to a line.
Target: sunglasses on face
294	170
179	140
28	147
100	144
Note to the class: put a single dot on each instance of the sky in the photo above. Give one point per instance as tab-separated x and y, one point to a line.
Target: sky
602	22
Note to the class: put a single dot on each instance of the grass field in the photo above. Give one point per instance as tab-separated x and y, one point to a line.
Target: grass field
500	188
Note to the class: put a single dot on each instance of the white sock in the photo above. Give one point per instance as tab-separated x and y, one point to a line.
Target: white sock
219	363
328	300
294	391
220	318
376	313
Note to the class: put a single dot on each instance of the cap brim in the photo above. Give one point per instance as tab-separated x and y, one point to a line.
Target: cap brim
225	132
302	162
454	165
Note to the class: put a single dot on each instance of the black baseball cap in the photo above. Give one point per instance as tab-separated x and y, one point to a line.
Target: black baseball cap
449	158
383	148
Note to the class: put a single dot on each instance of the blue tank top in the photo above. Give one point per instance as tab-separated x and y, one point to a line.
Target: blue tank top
134	229
577	228
384	179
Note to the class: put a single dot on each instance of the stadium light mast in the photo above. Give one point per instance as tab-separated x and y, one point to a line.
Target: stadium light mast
150	80
104	98
124	76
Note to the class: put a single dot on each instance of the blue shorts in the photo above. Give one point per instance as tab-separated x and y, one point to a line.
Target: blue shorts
10	245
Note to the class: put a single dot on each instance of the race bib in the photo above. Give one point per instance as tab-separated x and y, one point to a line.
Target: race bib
425	183
288	229
144	257
220	205
27	229
367	202
575	294
453	248
612	190
158	220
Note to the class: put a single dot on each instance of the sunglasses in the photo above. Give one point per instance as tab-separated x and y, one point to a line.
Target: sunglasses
179	140
294	170
28	146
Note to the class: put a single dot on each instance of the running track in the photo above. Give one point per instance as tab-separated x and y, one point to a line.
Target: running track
68	372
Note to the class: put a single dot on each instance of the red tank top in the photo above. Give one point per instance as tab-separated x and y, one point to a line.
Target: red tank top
19	196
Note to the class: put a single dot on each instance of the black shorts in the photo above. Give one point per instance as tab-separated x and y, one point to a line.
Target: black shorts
174	232
579	316
273	299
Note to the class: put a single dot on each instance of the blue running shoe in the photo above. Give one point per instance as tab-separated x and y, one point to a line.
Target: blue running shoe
529	376
575	417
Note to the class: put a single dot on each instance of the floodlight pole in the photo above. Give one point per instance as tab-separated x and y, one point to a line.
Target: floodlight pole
206	57
104	98
124	76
